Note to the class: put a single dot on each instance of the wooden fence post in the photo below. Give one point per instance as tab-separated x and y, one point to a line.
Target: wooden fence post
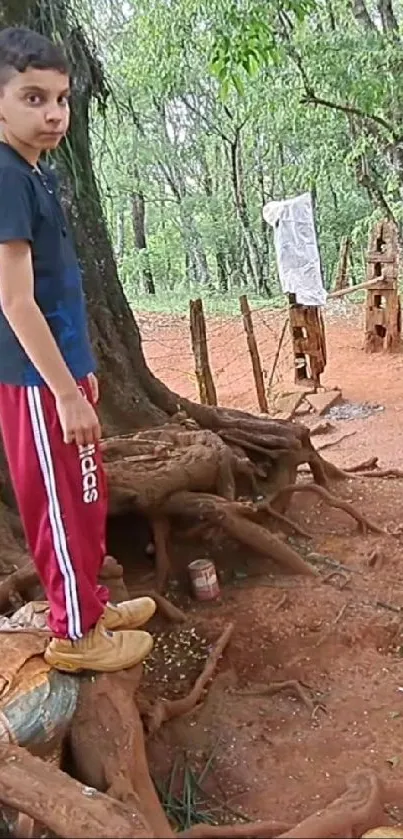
254	353
342	268
207	391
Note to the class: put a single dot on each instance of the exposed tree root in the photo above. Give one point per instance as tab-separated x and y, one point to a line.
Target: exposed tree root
349	816
364	523
250	446
190	472
50	797
366	469
212	509
161	530
12	555
154	469
17	586
164	606
331	443
365	466
182	460
381	473
165	709
264	829
357	810
292	685
266	507
107	745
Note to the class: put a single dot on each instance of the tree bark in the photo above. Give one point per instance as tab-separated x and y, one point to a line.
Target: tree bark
389	21
140	241
265	235
362	14
120	234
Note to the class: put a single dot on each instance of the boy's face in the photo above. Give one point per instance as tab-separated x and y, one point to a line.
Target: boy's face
34	108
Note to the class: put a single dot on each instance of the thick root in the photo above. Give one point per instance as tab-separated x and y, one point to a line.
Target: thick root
107	745
164	709
12	555
358	809
18	586
172	460
364	523
164	606
51	798
285	521
292	685
263	829
210	509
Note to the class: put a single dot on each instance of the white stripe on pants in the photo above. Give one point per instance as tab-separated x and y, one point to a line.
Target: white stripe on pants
55	515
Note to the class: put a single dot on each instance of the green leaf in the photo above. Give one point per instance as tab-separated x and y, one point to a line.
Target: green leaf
238	84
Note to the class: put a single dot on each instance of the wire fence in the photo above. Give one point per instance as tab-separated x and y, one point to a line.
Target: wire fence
168	349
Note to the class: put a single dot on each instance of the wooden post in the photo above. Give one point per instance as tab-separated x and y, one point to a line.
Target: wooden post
309	342
342	269
382	311
207	391
254	353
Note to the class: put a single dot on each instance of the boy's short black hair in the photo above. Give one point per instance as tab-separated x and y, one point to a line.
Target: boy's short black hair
21	48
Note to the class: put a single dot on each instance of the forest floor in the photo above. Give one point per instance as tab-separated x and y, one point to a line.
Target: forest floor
341	636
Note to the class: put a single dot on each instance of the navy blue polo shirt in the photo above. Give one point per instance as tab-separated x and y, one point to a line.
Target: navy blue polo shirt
30	210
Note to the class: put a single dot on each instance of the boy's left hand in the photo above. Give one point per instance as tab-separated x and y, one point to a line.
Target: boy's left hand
94	387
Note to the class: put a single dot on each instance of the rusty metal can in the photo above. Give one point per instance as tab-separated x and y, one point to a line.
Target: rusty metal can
204	579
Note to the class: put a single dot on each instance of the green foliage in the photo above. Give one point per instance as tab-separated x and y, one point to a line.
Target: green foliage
248	38
221	105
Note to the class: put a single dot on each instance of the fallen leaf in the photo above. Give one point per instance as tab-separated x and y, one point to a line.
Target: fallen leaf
393	761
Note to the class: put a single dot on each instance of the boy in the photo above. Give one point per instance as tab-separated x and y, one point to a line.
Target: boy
47	384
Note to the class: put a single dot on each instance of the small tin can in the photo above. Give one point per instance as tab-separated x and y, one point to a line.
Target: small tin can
204	579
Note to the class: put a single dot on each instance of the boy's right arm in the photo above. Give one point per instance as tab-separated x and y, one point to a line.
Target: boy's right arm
77	417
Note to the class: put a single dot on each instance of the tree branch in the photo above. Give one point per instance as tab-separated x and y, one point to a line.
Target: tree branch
350	110
211	125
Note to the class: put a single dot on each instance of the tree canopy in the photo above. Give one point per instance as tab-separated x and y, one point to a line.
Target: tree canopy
217	107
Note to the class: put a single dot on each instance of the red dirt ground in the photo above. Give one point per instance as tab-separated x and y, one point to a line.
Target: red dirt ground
342	637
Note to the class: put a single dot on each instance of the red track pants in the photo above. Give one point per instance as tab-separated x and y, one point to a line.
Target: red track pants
62	498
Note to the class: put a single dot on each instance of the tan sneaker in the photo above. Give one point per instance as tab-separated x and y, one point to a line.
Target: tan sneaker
130	614
99	650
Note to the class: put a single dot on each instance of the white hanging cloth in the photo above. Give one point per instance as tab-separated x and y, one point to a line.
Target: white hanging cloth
296	247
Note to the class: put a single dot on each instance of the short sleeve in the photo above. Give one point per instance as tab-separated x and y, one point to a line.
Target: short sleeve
17	206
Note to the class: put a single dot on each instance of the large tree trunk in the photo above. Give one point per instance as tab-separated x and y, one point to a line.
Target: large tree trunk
116	339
